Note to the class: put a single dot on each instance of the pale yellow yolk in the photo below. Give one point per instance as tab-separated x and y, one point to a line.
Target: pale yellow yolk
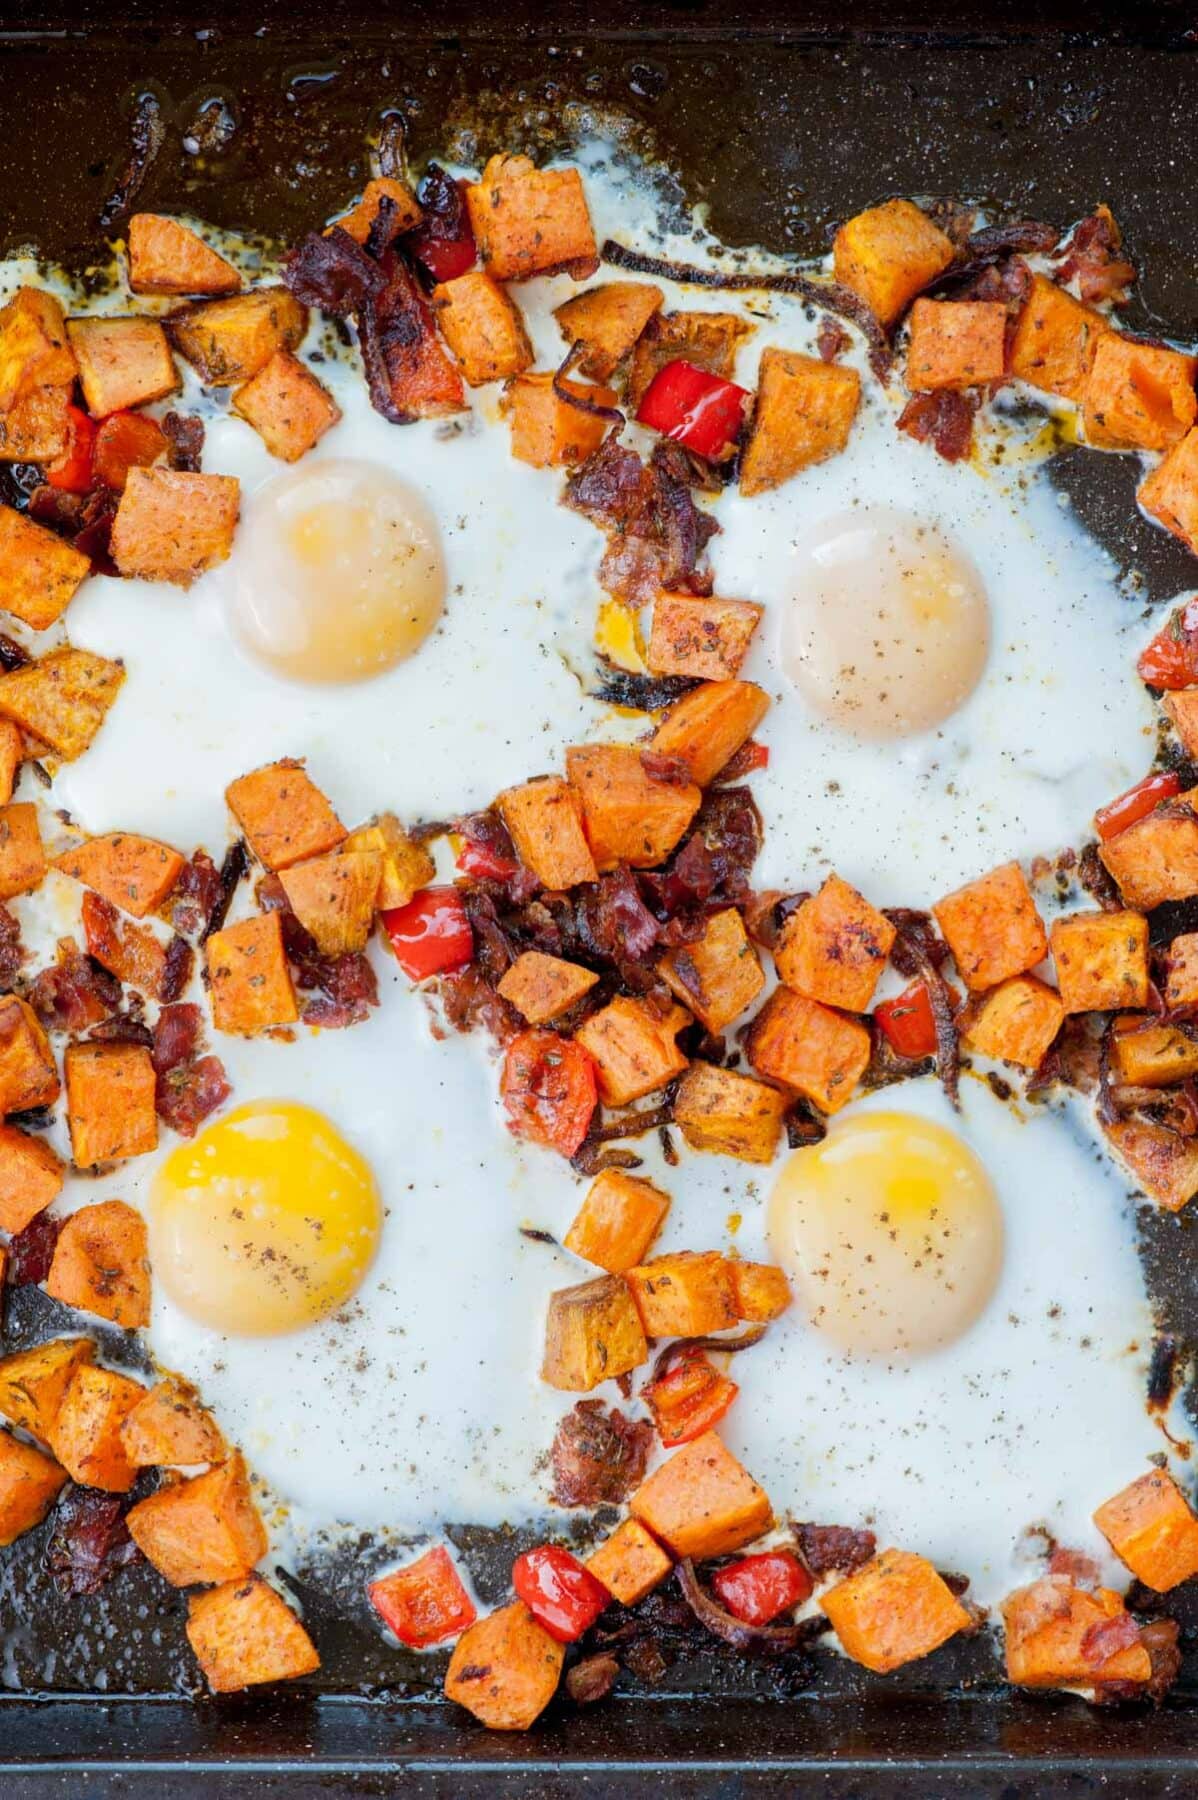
891	1231
265	1222
888	630
338	574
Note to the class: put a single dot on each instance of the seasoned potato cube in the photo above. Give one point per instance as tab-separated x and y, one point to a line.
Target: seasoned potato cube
543	987
406	865
110	1102
1101	960
992	928
229	341
243	1633
100	1264
760	1291
887	254
708	639
33	1382
834	947
702	1502
1049	1627
248	978
803	415
730	1114
1016	1021
63	699
28	1076
630	1563
1181	984
1156	859
29	1485
626	814
706	728
1169	493
544	819
39	571
1182	708
633	1049
37	428
284	815
169	1428
1151	1526
34	351
205	1529
483	327
22	858
134	873
593	1333
1149	1053
286	405
956	343
86	1435
809	1048
334	896
1138	396
172	525
166	257
1055	340
548	432
505	1668
360	218
893	1611
719	975
529	221
686	1294
12	754
617	1222
31	1176
1165	1165
608	320
709	340
123	363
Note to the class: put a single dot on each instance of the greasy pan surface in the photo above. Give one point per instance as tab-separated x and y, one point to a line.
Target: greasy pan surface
784	132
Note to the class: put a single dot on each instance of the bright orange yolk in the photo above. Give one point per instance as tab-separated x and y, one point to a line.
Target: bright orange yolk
265	1222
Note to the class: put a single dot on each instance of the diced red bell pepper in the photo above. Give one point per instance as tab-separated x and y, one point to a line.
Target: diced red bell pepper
758	1588
1136	804
72	471
907	1021
124	441
688	1399
484	862
431	935
559	1593
695	408
549	1090
1171	659
443	242
425	1603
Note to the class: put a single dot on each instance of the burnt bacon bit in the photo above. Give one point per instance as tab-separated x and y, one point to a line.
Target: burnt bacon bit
803	1126
833	1549
334	273
31	1251
184	433
657	536
639	692
598	1456
943	418
593	1678
188	1086
89	1540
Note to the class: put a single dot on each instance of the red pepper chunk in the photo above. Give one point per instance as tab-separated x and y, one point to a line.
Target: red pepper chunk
443	242
484	863
549	1090
431	935
425	1603
1136	804
1171	659
758	1588
559	1593
907	1022
689	1399
71	472
695	408
124	441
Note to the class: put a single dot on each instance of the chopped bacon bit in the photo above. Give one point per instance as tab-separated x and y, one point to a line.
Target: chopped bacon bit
12	951
75	993
194	895
1092	259
391	327
834	1549
469	1001
593	1678
833	340
1030	236
598	1456
30	1252
657	536
89	1540
1107	1638
188	1086
333	272
944	417
615	923
185	435
1081	1569
126	1027
347	984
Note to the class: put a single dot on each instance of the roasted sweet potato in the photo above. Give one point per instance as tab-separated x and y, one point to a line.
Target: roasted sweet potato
63	699
992	928
229	341
593	1333
1165	1165
12	754
1138	396
1101	960
686	1294
243	1634
618	1221
360	218
135	873
166	257
22	857
1169	493
110	1102
39	571
172	525
630	1563
729	1114
31	1176
893	1611
37	428
633	1049
1015	1022
803	415
1050	1628
607	320
1181	982
544	818
505	1668
1151	1526
249	982
706	638
1148	1053
717	976
406	866
170	1429
549	433
956	343
1181	708
888	254
100	1264
834	947
29	1485
28	1076
33	1382
123	363
207	1529
284	815
483	328
1156	859
529	221
334	897
706	728
1055	340
702	1503
709	340
818	1053
760	1291
86	1434
287	406
627	815
135	954
542	988
34	351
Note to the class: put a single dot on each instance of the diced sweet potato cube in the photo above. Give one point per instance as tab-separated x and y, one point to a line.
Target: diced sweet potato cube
206	1529
1148	1053
593	1333
135	953
170	1429
719	975
729	1114
134	873
1138	396
39	571
12	754
483	327
834	947
627	815
1156	859
22	858
1048	1624
708	726
31	1176
808	1047
634	1050
166	257
34	351
548	432
284	815
709	340
618	1220
33	1382
28	1076
708	639
1055	340
110	1102
686	1294
543	987
244	1634
608	320
1165	1165
1181	983
1101	960
1151	1526
36	429
702	1502
360	218
888	254
287	406
893	1611
333	897
992	928
248	978
630	1563
544	819
505	1668
228	341
172	525
123	363
803	415
1015	1022
406	865
760	1291
1181	708
100	1264
1169	493
86	1435
529	221
29	1485
956	343
63	699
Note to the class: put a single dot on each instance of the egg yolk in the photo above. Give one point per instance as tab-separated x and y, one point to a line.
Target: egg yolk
891	1231
265	1222
339	573
888	629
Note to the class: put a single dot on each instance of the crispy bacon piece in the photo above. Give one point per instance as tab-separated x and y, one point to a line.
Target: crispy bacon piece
346	986
598	1456
89	1541
834	1549
75	993
394	326
1092	258
188	1086
469	1001
833	340
194	895
184	433
133	954
333	272
944	418
593	1678
657	536
12	951
30	1252
1107	1638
